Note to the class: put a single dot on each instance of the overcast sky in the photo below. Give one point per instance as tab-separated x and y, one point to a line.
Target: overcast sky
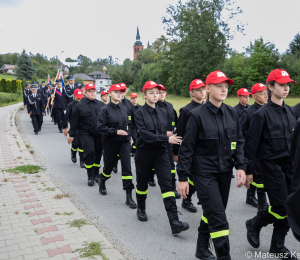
98	28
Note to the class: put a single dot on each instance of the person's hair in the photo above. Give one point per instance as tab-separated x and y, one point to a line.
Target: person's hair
269	92
145	91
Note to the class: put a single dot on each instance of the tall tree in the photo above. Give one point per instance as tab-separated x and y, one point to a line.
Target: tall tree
198	36
294	46
25	69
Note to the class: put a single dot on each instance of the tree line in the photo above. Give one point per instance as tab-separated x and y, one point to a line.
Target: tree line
196	43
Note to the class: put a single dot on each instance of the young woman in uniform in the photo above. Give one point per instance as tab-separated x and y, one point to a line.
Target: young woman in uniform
84	119
113	125
198	94
152	153
212	145
269	139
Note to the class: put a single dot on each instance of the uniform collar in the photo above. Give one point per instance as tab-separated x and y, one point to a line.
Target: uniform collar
88	100
213	108
243	107
195	104
257	105
150	109
114	105
277	107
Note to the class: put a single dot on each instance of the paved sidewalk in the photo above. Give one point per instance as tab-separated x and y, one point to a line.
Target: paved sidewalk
32	222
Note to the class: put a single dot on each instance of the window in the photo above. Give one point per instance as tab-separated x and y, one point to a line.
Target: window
100	82
91	76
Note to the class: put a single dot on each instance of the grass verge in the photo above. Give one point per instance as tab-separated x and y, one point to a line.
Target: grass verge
90	250
78	223
30	169
9	99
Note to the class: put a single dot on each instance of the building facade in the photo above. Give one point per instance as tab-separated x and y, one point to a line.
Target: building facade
6	68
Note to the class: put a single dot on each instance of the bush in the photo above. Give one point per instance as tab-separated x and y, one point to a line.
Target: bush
13	86
3	85
19	86
8	86
9	98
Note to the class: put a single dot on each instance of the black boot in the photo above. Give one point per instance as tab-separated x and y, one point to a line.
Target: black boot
251	200
129	201
262	199
277	245
152	182
253	226
141	211
115	169
96	174
177	195
228	257
73	156
82	165
176	225
90	174
202	251
102	188
188	205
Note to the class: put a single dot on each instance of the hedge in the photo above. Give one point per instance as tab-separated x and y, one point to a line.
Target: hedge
11	86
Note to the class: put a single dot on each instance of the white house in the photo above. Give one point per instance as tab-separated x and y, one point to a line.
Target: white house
9	68
100	78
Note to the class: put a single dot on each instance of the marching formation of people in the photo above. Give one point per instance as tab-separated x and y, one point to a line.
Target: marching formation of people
204	144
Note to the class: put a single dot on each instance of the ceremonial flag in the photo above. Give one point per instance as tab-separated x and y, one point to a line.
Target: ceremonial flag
61	77
49	81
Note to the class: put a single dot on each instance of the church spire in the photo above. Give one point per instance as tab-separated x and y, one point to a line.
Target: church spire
138	34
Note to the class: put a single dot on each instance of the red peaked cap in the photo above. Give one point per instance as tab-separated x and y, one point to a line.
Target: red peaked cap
217	77
280	76
116	87
89	86
150	85
257	87
123	85
242	92
78	93
162	87
104	92
196	83
132	95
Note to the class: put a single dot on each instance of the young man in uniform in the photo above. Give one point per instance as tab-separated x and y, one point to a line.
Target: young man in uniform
49	92
213	138
59	105
259	93
172	119
84	119
152	152
198	94
69	89
243	96
77	85
104	97
76	144
52	114
136	106
36	109
26	92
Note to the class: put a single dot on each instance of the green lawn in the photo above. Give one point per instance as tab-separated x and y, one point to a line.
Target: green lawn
179	101
9	99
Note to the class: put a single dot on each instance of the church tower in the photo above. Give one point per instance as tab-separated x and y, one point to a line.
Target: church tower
138	46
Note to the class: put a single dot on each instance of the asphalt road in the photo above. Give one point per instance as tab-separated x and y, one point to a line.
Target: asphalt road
137	240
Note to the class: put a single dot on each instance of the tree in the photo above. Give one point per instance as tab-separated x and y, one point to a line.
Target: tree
294	46
70	60
25	69
264	57
197	35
